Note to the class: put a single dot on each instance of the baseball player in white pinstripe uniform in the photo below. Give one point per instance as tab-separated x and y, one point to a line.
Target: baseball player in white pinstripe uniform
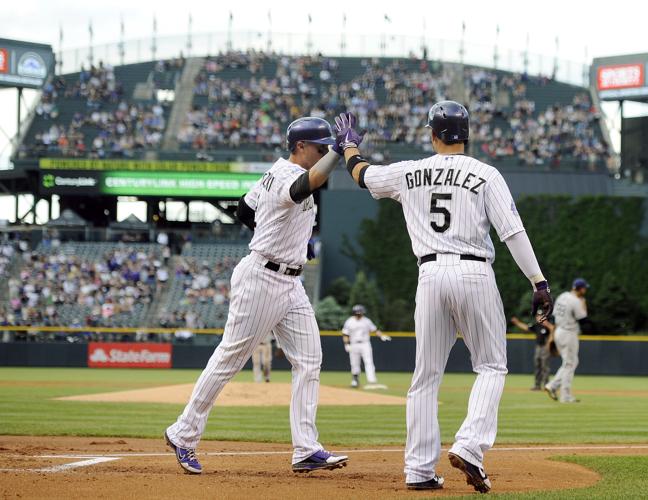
267	295
450	201
356	335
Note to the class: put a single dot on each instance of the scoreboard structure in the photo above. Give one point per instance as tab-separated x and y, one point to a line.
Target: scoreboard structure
25	64
625	78
621	78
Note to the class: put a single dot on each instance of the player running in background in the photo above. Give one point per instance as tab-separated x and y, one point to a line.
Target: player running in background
267	295
262	360
570	314
449	202
356	334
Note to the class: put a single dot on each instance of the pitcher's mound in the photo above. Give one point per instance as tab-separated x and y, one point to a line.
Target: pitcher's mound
241	394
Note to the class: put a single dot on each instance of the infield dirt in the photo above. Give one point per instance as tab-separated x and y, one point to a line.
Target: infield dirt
146	469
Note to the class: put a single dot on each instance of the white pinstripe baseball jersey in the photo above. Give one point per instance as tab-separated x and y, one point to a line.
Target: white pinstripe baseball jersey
283	227
358	330
460	197
262	301
449	203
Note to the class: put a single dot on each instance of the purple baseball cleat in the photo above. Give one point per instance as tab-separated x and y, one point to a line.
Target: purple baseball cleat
321	460
186	457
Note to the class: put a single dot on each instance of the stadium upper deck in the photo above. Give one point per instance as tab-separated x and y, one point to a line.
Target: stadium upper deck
241	102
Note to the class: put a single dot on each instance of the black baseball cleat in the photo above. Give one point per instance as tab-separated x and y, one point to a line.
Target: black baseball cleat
475	476
436	483
321	460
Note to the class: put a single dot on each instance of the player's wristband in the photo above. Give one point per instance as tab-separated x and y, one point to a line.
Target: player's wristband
353	161
536	281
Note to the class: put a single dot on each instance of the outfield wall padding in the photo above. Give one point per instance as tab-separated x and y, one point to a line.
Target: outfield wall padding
43	354
597	357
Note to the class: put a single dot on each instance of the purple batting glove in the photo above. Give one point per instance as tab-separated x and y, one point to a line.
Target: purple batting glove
345	134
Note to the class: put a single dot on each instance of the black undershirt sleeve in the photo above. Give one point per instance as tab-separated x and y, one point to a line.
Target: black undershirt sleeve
300	189
245	213
361	176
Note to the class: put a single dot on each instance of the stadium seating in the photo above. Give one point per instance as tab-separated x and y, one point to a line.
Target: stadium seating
242	103
201	284
99	113
85	284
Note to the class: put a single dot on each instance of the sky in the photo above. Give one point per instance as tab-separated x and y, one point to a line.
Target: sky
583	30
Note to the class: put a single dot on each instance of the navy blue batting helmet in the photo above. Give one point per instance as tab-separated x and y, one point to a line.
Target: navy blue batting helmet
309	129
449	121
358	309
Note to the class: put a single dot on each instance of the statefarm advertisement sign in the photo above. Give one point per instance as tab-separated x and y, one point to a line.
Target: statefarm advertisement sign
128	355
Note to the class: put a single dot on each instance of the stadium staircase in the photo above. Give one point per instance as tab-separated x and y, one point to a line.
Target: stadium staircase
183	101
160	299
210	314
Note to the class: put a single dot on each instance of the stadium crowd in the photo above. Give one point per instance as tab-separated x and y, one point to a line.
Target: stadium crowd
246	99
96	292
391	102
52	286
111	125
204	282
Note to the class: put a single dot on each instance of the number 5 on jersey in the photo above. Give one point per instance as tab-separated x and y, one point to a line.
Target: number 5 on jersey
434	209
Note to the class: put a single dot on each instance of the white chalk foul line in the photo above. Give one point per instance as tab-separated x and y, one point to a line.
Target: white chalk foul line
368	450
108	457
63	467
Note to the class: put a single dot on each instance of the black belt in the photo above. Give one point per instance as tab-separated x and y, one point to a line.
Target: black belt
432	257
290	271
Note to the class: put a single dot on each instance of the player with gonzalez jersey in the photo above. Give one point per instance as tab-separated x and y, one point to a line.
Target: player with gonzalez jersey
450	201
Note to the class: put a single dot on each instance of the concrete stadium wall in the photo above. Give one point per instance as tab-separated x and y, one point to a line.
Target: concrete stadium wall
597	357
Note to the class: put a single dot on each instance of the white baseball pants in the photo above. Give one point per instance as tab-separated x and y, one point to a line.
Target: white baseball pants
567	344
362	351
453	296
261	300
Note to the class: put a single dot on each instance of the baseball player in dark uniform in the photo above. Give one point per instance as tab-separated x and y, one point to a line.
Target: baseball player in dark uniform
544	332
450	201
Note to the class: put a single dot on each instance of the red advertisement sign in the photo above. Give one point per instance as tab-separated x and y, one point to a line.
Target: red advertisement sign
4	61
620	76
128	355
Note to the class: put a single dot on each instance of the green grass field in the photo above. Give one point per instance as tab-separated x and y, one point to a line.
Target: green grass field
609	412
27	408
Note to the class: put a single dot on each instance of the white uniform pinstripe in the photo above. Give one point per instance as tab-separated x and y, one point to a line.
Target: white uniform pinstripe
449	203
359	330
568	310
263	300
